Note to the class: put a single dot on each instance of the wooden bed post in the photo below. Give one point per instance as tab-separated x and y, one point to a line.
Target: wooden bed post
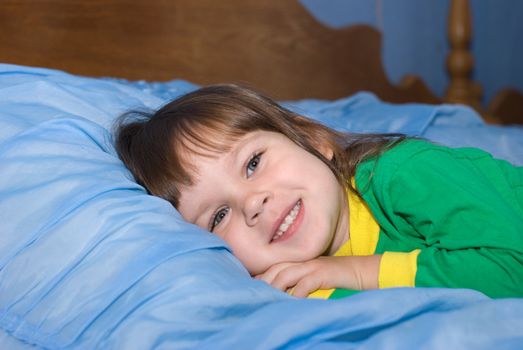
460	62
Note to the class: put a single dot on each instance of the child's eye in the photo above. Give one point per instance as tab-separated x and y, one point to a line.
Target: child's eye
218	217
252	164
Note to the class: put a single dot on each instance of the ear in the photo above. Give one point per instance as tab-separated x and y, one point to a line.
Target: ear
318	138
325	149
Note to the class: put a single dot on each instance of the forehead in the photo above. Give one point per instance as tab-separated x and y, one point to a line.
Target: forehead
205	172
202	153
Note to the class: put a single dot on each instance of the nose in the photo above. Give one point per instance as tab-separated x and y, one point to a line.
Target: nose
254	206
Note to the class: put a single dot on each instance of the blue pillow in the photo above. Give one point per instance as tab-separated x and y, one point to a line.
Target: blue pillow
89	260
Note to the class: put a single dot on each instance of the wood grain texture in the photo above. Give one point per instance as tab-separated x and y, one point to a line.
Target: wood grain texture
507	107
460	61
274	46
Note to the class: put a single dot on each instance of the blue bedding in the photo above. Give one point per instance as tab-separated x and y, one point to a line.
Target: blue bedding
88	260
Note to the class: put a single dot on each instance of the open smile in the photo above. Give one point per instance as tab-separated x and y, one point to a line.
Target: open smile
289	224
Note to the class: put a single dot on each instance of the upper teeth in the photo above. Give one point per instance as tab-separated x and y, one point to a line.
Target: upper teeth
289	219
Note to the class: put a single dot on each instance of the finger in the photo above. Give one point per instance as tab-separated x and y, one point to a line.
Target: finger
270	274
289	276
307	285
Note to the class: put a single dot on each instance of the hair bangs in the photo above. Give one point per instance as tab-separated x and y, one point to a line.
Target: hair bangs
193	139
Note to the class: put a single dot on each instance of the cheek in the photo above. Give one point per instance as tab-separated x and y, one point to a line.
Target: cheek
235	242
248	259
246	253
323	177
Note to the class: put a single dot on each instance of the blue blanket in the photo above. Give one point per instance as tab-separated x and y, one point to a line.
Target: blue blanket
89	260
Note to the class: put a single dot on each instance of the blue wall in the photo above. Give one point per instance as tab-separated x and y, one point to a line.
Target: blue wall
415	41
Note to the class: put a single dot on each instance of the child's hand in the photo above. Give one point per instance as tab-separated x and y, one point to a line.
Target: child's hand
301	279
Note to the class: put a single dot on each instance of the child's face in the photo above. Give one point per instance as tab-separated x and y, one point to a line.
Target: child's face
269	199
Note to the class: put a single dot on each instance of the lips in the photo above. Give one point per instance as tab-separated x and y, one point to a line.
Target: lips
288	224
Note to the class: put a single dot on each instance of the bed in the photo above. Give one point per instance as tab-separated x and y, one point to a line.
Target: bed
88	260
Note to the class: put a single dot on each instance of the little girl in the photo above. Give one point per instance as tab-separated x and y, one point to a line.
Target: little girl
307	208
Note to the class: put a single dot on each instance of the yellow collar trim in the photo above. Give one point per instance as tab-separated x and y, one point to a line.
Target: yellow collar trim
364	231
363	235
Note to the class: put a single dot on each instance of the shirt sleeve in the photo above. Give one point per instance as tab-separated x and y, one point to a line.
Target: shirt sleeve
464	209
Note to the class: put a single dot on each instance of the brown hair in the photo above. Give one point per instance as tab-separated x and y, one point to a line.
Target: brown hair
154	145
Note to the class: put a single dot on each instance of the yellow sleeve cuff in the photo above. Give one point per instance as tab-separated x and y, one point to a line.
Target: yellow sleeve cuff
398	269
321	294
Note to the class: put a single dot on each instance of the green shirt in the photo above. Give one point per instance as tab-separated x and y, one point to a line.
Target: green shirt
456	214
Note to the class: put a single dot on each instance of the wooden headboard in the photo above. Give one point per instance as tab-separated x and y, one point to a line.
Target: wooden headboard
274	46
